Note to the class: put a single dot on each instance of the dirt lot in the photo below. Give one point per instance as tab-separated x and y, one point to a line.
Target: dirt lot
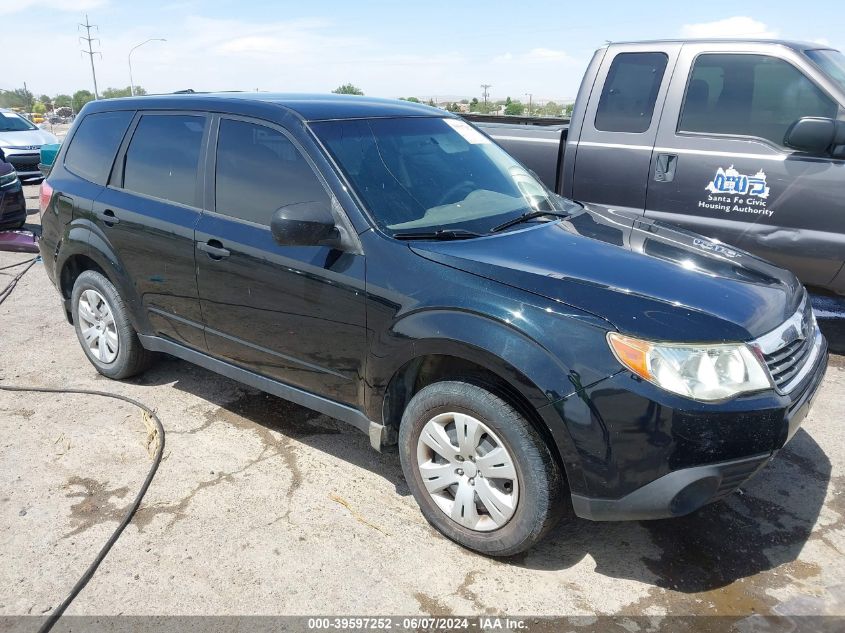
262	507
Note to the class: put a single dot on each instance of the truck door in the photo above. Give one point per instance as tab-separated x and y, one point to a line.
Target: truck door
721	168
614	143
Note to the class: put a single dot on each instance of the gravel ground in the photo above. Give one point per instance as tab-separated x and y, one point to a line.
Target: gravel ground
262	507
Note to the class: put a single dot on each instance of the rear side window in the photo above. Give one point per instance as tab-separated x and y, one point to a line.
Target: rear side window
749	95
259	170
91	151
630	92
162	160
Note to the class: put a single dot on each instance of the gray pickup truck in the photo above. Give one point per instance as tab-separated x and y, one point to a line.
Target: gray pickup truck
743	141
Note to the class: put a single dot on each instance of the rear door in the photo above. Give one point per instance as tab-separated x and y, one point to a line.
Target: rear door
613	150
292	313
731	176
148	214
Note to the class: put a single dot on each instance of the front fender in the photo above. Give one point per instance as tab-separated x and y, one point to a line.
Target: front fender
543	372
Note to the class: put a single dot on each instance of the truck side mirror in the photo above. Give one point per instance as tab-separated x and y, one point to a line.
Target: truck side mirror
813	135
306	224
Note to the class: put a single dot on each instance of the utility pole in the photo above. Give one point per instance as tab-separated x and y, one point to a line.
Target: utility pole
90	52
484	88
529	95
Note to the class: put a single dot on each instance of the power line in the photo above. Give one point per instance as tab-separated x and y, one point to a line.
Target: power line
91	52
484	88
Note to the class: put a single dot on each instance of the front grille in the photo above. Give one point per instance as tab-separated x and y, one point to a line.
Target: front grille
24	162
734	475
788	349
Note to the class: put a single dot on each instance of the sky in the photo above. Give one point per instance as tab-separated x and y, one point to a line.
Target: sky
389	49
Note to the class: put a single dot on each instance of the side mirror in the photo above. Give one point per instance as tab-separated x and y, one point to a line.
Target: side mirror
813	135
305	224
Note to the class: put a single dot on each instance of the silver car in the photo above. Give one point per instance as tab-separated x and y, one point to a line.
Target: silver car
20	143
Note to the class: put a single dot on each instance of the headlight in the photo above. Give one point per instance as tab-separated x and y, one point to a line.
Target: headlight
702	372
8	179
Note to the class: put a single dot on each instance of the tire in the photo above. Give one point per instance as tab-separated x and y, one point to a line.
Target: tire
515	522
117	352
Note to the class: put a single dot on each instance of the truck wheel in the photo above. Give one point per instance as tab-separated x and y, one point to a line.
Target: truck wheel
479	471
104	330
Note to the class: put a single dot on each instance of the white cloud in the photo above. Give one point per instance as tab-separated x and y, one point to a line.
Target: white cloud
737	26
8	7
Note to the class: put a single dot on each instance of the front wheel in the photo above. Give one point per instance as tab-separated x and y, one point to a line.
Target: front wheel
482	475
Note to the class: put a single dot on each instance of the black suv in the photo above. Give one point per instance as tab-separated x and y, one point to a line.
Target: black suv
386	264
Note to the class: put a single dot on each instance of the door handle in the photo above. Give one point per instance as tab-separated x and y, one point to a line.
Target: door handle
664	168
108	217
214	249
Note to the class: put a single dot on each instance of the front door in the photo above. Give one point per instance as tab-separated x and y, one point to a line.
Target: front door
295	314
732	176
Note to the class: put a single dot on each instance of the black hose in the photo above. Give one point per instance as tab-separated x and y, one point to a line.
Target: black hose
80	584
89	573
4	294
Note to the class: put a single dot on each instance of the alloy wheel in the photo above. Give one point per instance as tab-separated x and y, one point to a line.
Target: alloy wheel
96	323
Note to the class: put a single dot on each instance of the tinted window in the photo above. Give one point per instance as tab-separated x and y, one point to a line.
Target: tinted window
630	91
163	157
93	146
259	170
749	95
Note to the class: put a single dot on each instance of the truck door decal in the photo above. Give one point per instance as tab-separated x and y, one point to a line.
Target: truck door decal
733	192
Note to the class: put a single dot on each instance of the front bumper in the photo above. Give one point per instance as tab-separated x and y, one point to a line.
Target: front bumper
641	453
25	162
12	206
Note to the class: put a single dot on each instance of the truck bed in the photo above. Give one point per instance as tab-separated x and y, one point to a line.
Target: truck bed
539	146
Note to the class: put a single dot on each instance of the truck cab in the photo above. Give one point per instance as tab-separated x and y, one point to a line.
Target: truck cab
743	141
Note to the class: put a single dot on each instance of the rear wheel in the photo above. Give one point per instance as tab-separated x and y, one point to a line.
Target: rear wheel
480	472
104	330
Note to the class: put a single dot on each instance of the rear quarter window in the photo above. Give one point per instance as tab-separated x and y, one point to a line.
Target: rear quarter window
93	147
630	92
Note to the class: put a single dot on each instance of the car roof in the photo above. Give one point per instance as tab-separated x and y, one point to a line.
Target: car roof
309	107
798	46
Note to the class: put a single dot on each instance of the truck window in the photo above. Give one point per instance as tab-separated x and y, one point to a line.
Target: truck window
749	95
163	157
93	146
259	170
630	91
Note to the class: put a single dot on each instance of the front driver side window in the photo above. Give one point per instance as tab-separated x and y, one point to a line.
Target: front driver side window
259	170
749	95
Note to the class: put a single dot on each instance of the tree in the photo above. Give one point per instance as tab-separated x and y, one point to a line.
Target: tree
474	105
62	101
18	98
39	108
80	98
514	108
114	93
47	101
411	99
348	89
567	109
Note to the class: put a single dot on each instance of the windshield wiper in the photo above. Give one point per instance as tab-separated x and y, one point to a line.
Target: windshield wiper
530	215
441	234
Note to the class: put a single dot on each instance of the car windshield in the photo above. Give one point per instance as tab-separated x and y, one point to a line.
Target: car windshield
10	122
419	174
831	62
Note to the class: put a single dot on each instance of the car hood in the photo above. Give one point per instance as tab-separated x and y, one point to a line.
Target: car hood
26	138
646	278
